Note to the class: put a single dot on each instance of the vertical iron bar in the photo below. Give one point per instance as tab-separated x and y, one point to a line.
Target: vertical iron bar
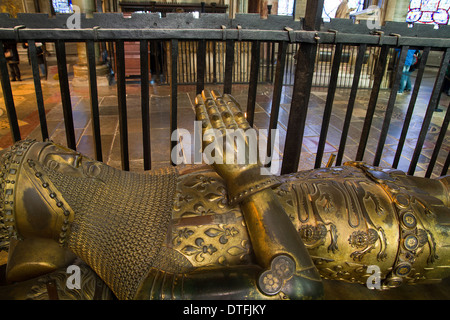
173	90
60	47
220	56
378	77
247	69
351	102
313	14
165	61
190	63
8	96
184	76
93	92
38	88
446	165
412	103
238	62
261	69
153	55
390	105
340	78
145	104
229	63
201	65
268	45
253	83
432	104
272	55
287	67
214	80
122	104
329	104
299	107
438	144
301	91
277	89
320	63
207	64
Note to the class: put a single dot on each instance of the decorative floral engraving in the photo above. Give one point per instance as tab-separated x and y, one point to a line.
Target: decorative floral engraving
199	210
281	270
362	240
271	283
223	232
220	197
180	235
199	250
200	182
312	235
180	200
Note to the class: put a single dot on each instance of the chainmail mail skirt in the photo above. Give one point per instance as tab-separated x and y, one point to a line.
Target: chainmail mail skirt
121	220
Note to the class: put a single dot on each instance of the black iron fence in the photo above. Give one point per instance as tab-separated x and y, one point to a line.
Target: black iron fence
279	41
216	56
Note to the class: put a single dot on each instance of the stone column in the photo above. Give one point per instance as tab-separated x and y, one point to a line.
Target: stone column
80	70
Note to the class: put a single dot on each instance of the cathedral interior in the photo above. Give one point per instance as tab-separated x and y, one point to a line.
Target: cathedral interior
108	129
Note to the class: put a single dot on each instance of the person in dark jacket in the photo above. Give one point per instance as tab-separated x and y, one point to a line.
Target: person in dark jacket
40	52
12	57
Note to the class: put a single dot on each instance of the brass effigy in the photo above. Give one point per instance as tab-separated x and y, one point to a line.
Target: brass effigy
219	231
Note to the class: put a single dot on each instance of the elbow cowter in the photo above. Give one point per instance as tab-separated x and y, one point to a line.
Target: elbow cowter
285	279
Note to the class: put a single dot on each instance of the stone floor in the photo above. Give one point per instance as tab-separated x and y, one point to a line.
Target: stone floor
159	121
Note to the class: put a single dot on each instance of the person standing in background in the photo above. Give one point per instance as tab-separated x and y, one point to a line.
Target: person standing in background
40	52
405	81
12	58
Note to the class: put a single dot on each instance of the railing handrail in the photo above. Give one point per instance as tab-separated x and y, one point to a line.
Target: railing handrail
245	27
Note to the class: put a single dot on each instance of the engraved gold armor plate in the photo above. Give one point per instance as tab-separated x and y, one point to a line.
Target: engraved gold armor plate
194	232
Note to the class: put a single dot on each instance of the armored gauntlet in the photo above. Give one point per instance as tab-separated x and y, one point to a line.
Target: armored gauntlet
276	244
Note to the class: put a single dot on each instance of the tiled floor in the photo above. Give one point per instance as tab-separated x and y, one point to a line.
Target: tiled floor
159	121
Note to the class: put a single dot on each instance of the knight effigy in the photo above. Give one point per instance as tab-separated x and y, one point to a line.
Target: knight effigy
220	231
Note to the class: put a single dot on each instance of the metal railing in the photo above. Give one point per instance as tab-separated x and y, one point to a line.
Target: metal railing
216	56
246	32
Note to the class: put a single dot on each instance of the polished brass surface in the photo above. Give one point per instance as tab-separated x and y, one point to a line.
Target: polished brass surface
53	286
346	220
32	257
214	232
219	114
355	216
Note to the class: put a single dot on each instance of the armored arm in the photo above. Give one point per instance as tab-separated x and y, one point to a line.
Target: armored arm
277	246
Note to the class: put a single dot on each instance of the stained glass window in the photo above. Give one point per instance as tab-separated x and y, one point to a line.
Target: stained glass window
62	6
428	11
